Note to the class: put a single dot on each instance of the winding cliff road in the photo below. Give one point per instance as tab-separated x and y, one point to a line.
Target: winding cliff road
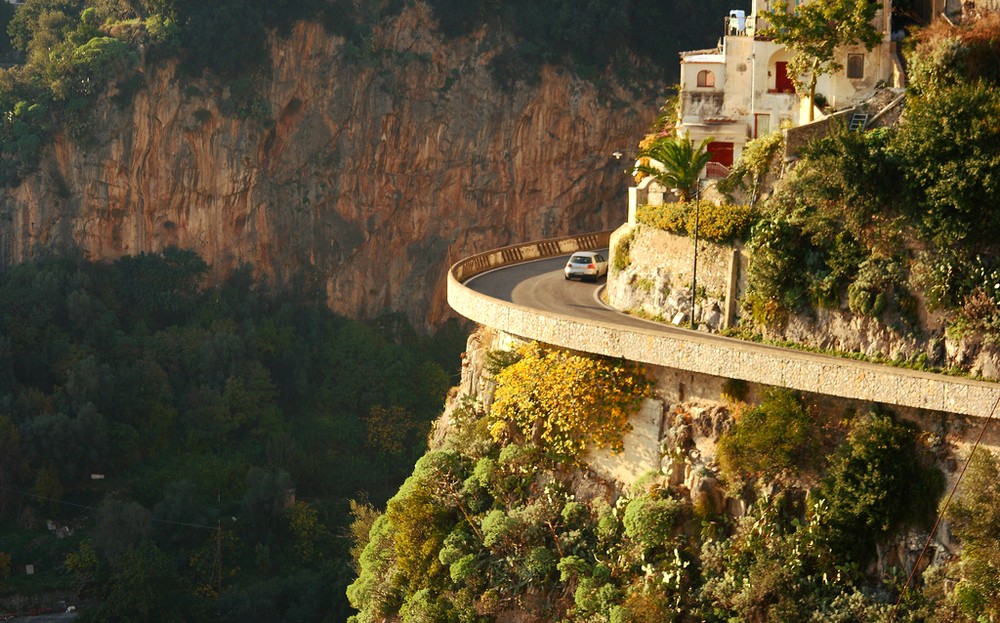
521	290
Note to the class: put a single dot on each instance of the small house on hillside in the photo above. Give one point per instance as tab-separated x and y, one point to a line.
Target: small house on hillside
742	89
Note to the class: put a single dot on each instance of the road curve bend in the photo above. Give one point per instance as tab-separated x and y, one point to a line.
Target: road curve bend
521	290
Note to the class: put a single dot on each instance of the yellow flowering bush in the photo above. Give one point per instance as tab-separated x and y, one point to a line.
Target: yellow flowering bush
567	402
717	222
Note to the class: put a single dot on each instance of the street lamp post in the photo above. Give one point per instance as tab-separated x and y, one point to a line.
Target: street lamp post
694	268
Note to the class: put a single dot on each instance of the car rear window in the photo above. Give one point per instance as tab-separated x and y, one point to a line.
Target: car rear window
581	259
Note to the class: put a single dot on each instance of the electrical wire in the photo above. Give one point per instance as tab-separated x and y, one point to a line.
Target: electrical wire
930	537
92	508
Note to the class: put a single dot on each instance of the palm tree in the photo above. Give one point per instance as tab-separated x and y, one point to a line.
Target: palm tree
675	162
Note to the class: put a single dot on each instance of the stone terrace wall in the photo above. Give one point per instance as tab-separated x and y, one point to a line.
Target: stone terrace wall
657	280
709	354
798	137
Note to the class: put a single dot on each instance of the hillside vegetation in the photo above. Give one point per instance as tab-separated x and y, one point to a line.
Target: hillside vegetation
233	420
817	507
897	223
507	525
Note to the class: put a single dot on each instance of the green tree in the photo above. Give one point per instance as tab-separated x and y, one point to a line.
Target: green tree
777	435
27	23
6	14
83	564
121	525
307	530
948	147
12	465
678	163
147	587
814	30
876	483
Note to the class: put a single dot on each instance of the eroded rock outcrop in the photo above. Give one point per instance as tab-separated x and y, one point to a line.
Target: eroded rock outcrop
371	174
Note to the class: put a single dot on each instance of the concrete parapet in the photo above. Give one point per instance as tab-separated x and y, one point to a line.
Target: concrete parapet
482	262
704	353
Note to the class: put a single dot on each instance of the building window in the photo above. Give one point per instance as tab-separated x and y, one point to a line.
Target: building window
706	78
856	66
762	124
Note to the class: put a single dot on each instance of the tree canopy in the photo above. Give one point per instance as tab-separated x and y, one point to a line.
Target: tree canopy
675	162
814	30
199	405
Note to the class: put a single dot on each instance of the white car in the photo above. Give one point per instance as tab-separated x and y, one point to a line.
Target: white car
586	265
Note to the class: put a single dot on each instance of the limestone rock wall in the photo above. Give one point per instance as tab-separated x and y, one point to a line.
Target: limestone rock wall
369	174
657	279
657	283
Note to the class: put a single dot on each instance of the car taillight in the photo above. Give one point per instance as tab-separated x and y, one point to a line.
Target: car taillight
591	266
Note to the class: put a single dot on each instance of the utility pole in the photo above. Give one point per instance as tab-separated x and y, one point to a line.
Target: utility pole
694	268
218	558
218	547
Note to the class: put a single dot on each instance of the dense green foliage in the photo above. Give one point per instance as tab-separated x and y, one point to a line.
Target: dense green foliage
6	14
975	517
718	222
621	255
776	436
588	36
868	220
755	162
482	528
877	482
234	417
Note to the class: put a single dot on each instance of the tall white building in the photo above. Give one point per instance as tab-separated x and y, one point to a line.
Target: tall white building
742	88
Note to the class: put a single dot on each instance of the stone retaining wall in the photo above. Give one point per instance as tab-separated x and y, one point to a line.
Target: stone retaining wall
708	354
657	279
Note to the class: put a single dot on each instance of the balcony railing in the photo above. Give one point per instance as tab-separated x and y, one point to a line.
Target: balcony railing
749	26
716	171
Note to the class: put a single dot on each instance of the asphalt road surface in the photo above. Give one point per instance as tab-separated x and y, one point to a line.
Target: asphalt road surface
541	285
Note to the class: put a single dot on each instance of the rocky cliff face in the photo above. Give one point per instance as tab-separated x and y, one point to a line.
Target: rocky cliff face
372	174
676	434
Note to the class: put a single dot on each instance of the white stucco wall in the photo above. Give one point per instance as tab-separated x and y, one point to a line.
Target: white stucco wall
748	85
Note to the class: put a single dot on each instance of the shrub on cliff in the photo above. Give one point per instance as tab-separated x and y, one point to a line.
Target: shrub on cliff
945	55
975	517
721	223
651	521
877	482
755	162
775	437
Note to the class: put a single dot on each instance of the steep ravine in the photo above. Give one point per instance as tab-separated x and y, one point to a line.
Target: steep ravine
372	174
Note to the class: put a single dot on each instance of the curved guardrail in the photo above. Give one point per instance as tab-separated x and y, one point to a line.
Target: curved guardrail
514	254
706	353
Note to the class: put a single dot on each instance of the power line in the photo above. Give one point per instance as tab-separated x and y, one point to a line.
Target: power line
927	544
94	508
